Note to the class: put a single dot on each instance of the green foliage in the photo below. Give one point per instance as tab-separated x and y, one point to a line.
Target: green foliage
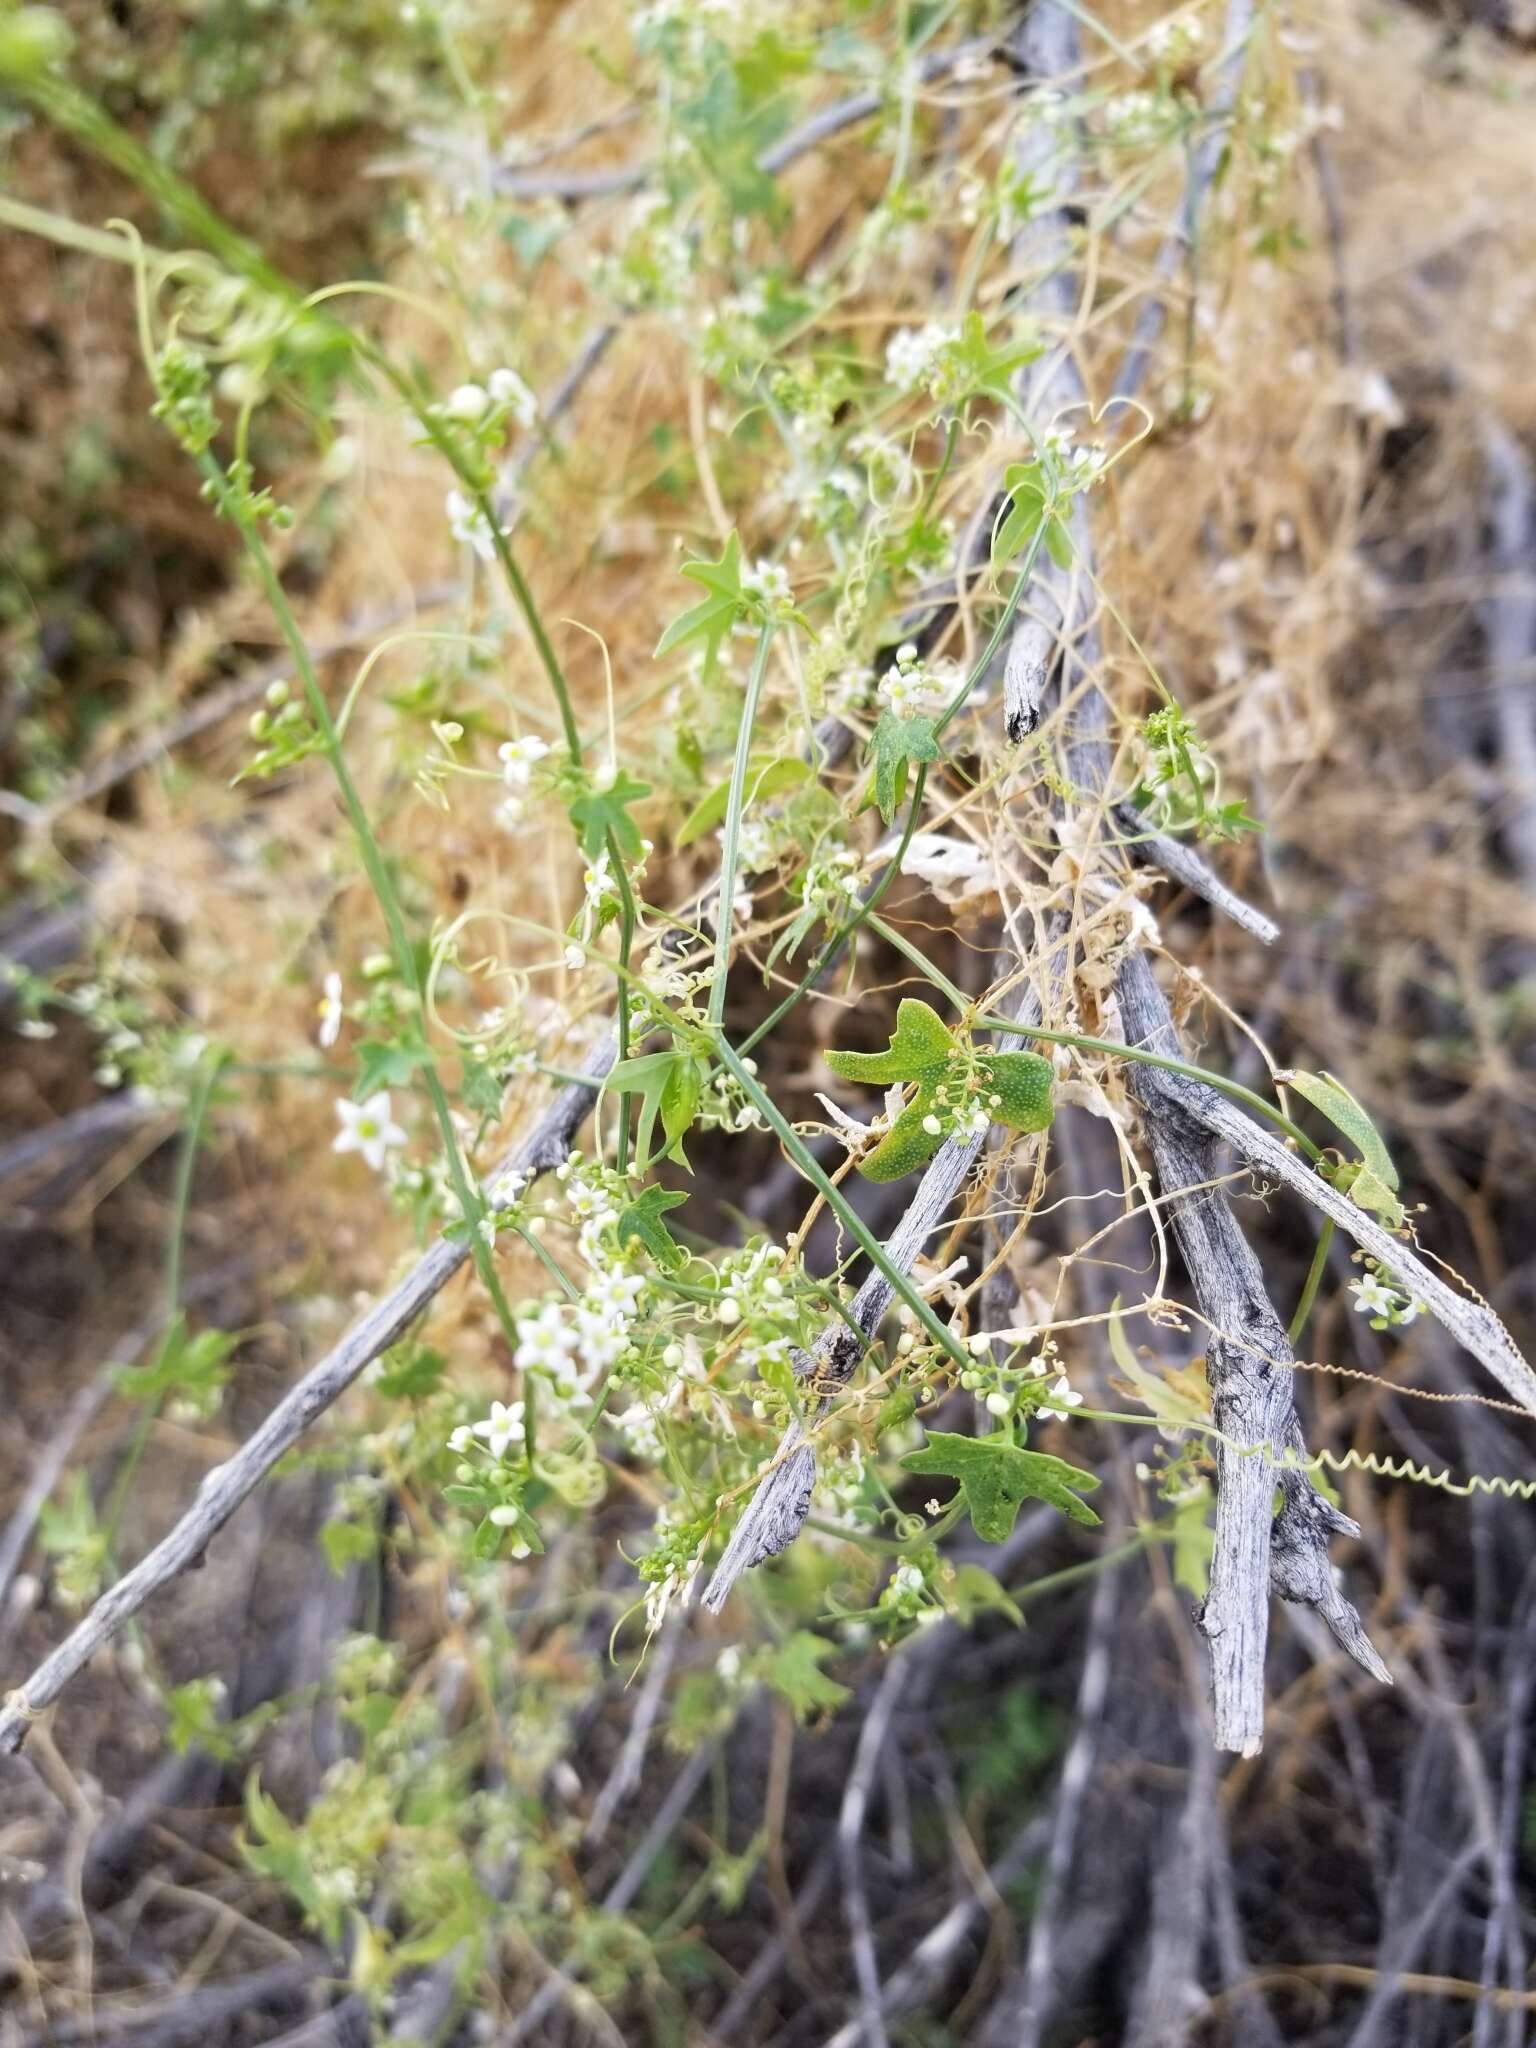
712	618
894	742
996	1478
1371	1181
794	1670
953	1084
603	814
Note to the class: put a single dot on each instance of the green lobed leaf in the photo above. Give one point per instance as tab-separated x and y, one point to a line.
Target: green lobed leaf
997	1477
894	742
642	1220
795	1670
1024	1082
597	812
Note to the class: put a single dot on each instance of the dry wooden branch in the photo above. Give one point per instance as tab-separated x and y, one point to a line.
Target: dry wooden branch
228	1485
1247	1363
1473	1324
776	1513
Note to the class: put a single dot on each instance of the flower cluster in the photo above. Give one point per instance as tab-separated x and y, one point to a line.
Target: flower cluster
1021	1387
916	357
1379	1297
913	689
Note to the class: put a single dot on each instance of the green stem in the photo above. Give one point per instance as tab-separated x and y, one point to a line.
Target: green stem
1314	1280
849	1217
731	839
469	1197
621	1014
181	1202
866	910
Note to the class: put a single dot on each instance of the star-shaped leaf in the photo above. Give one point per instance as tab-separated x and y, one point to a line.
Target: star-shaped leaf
983	371
711	620
597	812
642	1220
894	742
1013	1088
997	1477
795	1670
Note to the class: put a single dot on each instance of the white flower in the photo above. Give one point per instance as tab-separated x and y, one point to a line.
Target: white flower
768	582
461	1439
508	389
468	523
545	1340
912	354
1062	1396
369	1128
466	404
907	1579
598	882
1373	1297
575	957
502	1428
509	813
999	1404
330	1012
518	758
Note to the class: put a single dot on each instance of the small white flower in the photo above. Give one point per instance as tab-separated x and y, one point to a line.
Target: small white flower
467	403
508	389
1062	1396
469	524
575	957
330	1012
912	354
999	1404
518	758
368	1127
462	1439
1373	1297
907	1579
509	813
502	1428
769	582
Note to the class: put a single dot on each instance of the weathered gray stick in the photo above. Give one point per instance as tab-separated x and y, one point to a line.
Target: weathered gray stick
230	1484
1247	1366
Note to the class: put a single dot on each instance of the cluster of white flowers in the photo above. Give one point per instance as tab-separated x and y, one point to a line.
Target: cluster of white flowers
518	759
914	356
912	689
769	583
641	1432
999	1387
1385	1304
754	845
1176	40
1135	120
